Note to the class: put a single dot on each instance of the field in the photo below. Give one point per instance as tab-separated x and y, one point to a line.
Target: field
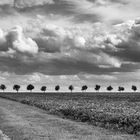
115	111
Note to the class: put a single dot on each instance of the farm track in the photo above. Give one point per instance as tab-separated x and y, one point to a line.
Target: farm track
23	122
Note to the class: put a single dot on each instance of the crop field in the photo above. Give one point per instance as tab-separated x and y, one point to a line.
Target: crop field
114	111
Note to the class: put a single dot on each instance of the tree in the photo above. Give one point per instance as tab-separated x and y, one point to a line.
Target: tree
30	87
134	88
43	88
121	89
84	88
71	88
16	87
109	88
97	87
57	88
2	87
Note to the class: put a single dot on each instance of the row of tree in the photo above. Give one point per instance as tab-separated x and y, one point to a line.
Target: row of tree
30	87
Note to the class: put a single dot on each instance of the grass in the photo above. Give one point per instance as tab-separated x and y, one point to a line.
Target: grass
115	111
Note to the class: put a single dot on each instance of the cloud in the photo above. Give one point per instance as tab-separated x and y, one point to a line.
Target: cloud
100	9
50	45
64	8
31	3
5	2
2	41
52	38
107	2
91	11
20	43
79	41
91	78
57	50
129	44
7	10
106	60
34	78
122	41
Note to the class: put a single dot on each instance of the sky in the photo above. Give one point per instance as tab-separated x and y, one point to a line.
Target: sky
50	42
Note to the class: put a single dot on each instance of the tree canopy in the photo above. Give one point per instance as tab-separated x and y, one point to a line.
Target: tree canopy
16	87
84	88
43	88
71	88
109	88
30	87
57	87
97	87
2	87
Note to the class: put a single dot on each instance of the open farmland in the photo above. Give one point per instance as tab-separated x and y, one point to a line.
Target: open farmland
115	111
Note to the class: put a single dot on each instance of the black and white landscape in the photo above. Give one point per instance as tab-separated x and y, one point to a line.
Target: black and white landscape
76	59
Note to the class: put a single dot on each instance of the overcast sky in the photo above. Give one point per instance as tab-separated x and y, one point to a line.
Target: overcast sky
49	42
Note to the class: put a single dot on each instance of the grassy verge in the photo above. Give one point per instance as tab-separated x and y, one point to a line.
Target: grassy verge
119	112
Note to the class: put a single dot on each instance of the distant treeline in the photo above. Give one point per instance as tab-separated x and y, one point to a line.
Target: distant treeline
97	88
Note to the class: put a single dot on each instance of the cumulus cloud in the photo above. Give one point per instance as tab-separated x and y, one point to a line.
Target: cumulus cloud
54	38
20	43
2	41
79	41
106	60
129	46
61	50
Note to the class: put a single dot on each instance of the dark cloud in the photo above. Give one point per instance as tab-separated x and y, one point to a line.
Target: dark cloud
59	7
63	8
119	1
7	10
128	49
86	17
58	64
62	66
129	52
112	1
48	45
59	51
30	3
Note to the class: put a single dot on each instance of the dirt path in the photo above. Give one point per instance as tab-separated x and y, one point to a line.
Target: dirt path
23	122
